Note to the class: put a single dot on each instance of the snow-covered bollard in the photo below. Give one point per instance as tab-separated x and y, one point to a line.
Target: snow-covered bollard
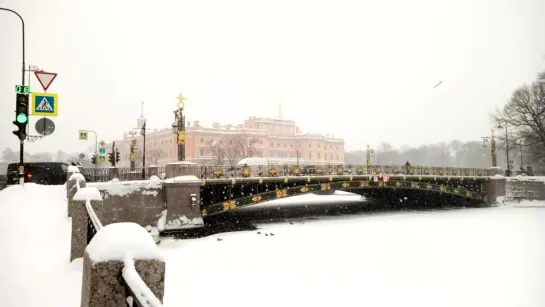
127	250
113	172
75	181
80	218
153	170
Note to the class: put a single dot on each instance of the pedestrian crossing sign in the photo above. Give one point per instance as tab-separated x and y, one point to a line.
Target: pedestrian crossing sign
83	135
45	104
101	158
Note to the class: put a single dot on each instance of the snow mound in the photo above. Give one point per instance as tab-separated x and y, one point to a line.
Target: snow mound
187	178
114	241
90	193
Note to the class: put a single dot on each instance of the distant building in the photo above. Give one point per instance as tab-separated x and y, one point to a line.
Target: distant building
278	139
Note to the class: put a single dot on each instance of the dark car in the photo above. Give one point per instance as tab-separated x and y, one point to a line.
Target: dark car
48	173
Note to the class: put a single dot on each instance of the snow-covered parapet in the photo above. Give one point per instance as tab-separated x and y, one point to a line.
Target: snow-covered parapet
128	250
116	240
183	179
125	188
85	194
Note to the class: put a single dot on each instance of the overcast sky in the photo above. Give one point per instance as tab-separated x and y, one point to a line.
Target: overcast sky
361	70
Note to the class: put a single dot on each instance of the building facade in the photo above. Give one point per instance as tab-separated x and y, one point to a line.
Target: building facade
277	139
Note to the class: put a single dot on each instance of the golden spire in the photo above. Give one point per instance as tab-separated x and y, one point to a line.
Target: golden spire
181	99
280	110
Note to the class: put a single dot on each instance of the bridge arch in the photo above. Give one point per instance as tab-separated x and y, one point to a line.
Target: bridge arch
346	185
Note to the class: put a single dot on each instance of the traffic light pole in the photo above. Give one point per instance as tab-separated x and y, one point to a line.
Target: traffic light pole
21	140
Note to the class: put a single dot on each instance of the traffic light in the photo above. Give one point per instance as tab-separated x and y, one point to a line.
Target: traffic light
111	158
21	116
94	159
117	156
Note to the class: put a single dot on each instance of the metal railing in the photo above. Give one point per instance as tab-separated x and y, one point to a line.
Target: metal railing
123	174
237	171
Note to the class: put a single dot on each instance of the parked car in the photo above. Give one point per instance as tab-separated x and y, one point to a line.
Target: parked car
48	173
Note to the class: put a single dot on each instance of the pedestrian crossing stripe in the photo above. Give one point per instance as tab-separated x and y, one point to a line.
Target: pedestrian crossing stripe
45	104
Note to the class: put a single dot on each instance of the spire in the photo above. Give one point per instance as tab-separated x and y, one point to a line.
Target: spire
280	110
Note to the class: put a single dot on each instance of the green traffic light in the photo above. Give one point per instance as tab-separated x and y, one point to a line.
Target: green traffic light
22	118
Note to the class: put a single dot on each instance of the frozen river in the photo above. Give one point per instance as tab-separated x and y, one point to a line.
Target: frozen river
464	257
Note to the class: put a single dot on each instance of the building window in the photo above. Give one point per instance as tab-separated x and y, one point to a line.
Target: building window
272	144
310	155
202	140
260	141
319	155
291	145
201	152
318	145
285	145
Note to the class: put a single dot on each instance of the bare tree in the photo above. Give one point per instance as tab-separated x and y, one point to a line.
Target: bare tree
231	148
247	146
524	116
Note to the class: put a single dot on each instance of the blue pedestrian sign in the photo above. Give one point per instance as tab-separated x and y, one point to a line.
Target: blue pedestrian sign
101	159
102	150
45	104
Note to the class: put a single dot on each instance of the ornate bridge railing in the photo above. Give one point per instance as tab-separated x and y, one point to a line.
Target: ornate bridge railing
238	171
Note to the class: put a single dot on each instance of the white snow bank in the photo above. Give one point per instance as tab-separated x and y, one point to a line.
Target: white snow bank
73	169
183	222
137	285
527	178
187	178
162	221
89	193
76	176
309	199
114	241
123	188
35	258
182	163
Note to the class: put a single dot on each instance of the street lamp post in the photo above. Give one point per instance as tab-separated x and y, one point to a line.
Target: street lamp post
178	127
142	127
508	171
492	139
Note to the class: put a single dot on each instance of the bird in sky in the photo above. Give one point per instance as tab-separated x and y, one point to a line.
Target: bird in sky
438	84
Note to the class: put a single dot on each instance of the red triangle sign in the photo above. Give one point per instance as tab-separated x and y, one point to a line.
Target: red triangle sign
45	78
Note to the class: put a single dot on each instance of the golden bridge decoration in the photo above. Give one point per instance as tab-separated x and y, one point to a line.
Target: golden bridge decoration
325	187
256	198
246	171
181	137
296	170
345	185
204	212
218	172
229	205
340	170
273	172
304	190
319	170
181	99
443	189
359	170
281	193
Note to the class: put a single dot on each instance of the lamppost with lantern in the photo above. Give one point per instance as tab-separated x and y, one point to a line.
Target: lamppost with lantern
508	171
141	125
492	139
178	127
